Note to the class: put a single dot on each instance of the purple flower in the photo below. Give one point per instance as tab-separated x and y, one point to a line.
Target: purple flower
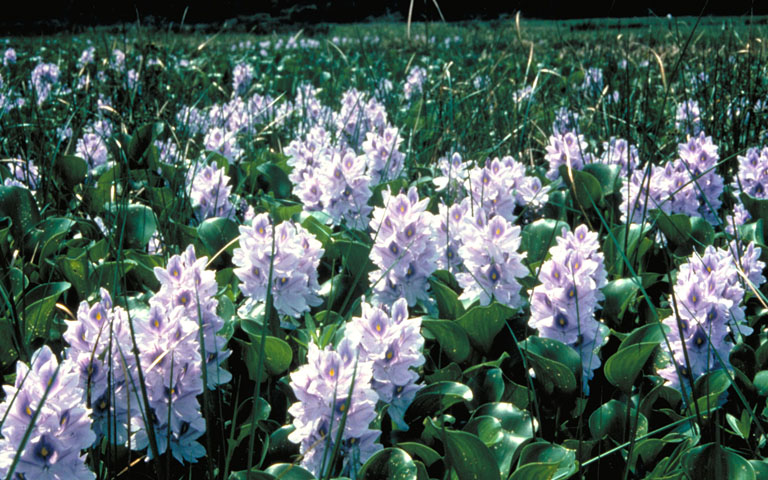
620	152
453	173
92	148
9	56
491	259
563	306
405	248
688	117
394	344
242	76
45	77
414	82
753	173
333	385
382	152
565	121
224	142
61	429
209	193
566	149
502	185
87	56
294	265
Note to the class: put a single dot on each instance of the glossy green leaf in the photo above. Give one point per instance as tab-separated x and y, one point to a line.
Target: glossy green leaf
110	274
714	461
451	337
216	233
545	461
619	295
607	175
608	420
40	304
486	428
71	170
538	237
18	204
436	398
278	180
389	464
556	364
277	356
676	227
487	384
75	267
51	235
761	382
141	140
469	457
517	428
624	366
447	300
289	471
758	209
482	324
702	231
585	187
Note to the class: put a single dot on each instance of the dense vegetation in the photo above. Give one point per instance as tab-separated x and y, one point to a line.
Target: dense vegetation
509	250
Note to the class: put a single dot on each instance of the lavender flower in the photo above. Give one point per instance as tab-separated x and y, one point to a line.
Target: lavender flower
492	261
566	149
414	82
242	76
224	142
688	117
620	152
93	149
565	121
393	343
753	173
9	56
563	306
61	429
45	77
453	174
87	56
405	248
294	265
99	345
382	152
333	385
209	193
502	185
707	314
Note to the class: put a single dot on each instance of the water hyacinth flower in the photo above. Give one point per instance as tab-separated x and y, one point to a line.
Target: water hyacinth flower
9	57
563	306
491	259
61	429
358	116
620	152
565	121
242	76
707	312
209	192
223	142
688	118
394	344
92	148
45	77
100	346
453	173
405	248
698	158
753	173
566	149
383	155
502	185
450	234
293	265
331	386
414	82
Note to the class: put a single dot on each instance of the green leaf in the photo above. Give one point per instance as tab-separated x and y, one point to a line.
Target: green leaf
289	471
278	180
451	337
75	266
317	228
356	257
487	386
389	464
488	429
469	456
607	175
714	461
761	382
110	274
632	244
482	324
436	398
18	204
676	227
54	229
141	141
556	364
215	233
702	230
38	312
448	303
277	356
545	461
423	452
71	169
517	428
752	232
624	365
608	420
8	353
758	209
538	237
619	294
585	187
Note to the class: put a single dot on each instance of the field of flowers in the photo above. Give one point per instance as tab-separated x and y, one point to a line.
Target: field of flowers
509	250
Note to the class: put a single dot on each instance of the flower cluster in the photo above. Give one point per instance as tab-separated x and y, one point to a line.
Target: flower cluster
563	306
100	345
566	149
242	76
620	152
753	173
688	117
492	261
414	82
45	77
23	174
291	254
60	427
210	192
9	57
358	116
405	248
502	185
452	176
383	155
334	386
565	121
707	312
394	344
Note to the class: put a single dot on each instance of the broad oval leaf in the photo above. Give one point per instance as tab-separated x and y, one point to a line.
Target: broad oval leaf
451	337
389	464
469	457
714	461
539	236
482	324
435	398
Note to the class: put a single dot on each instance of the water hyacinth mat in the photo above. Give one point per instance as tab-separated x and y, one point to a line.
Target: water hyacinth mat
508	250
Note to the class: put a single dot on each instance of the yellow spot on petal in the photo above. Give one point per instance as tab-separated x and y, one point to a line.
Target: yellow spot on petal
389	355
378	327
44	452
28	411
332	372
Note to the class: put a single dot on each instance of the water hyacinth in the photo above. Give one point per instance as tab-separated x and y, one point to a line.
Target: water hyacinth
9	56
567	149
45	77
61	428
502	185
753	173
394	344
451	175
383	156
242	76
100	345
491	259
210	192
292	256
707	312
334	386
620	152
414	82
405	248
688	118
563	306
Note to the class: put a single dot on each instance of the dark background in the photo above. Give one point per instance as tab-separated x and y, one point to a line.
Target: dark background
33	17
